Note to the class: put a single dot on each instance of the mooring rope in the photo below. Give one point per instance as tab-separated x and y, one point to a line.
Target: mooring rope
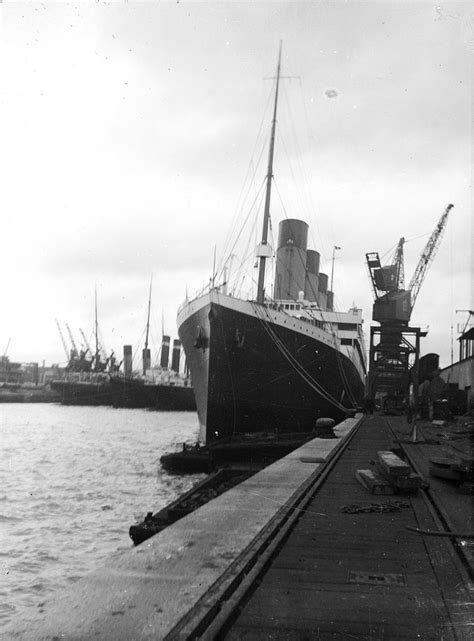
293	361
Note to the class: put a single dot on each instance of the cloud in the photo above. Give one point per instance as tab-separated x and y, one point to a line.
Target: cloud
128	130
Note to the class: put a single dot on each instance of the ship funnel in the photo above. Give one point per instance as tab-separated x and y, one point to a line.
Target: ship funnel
165	352
146	359
291	259
323	290
127	360
323	283
176	355
330	300
311	284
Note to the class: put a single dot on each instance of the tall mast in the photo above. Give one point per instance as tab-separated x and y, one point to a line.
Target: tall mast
266	213
96	333
148	317
146	359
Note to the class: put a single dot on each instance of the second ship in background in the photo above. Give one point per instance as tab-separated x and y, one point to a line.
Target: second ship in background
159	388
103	383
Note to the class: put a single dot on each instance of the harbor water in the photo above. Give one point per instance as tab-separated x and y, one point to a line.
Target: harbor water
72	481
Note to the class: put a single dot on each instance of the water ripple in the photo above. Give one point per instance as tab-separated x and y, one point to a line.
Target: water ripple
75	479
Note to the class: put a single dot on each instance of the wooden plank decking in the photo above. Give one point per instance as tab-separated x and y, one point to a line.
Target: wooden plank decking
363	576
279	557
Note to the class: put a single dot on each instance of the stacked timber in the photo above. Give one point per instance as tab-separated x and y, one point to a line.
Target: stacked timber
391	475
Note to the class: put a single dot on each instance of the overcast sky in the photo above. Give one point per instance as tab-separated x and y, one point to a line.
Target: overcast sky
127	130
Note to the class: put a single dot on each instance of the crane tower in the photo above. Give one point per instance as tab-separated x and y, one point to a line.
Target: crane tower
393	344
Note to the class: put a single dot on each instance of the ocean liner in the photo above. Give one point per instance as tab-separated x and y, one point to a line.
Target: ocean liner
273	364
158	388
87	374
99	380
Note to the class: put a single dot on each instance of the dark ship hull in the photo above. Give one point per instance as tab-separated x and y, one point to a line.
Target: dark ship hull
164	397
127	393
21	394
252	373
272	365
84	392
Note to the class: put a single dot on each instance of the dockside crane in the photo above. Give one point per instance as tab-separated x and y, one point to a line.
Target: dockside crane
393	303
6	349
428	255
86	343
66	351
73	343
388	283
392	309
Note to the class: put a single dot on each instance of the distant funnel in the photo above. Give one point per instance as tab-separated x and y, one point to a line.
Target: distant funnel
176	356
146	360
127	360
311	285
165	352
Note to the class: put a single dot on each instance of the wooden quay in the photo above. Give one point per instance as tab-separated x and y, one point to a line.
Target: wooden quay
302	550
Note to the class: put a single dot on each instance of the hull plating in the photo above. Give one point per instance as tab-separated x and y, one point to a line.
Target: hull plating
252	376
135	394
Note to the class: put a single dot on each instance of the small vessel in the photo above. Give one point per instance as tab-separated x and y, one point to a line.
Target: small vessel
213	485
273	363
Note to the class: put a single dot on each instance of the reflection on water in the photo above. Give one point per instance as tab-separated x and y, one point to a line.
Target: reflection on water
72	481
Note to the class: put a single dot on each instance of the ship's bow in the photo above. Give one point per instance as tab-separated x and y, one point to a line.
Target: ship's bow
194	333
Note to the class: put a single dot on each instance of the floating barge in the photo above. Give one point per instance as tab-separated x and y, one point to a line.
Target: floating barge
251	450
209	488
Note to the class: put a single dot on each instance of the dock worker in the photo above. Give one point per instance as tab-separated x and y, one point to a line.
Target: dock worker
423	398
436	391
368	404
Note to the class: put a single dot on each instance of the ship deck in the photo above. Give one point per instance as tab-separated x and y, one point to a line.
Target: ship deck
298	551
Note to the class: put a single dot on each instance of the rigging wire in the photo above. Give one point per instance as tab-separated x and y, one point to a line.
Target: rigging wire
313	207
302	168
248	251
324	317
407	240
225	251
251	181
311	313
389	251
260	312
297	154
290	164
220	269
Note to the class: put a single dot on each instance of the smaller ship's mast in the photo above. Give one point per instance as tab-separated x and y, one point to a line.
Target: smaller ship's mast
145	351
266	213
97	356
